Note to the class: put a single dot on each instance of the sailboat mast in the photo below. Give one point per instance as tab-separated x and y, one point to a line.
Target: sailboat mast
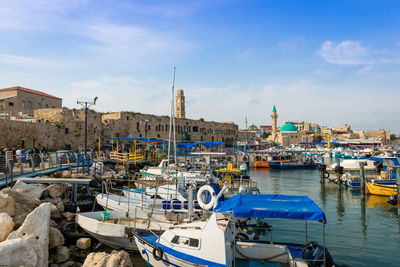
171	115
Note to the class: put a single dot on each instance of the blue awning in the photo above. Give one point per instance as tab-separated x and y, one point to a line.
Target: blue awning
206	144
272	206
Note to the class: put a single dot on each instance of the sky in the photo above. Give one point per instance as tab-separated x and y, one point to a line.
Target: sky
330	62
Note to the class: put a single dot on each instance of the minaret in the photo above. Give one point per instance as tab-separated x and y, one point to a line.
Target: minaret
180	105
274	117
245	123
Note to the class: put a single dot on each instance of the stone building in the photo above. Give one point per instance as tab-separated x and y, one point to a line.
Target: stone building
180	105
70	124
20	101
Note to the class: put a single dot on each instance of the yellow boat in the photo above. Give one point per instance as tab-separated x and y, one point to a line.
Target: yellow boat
380	189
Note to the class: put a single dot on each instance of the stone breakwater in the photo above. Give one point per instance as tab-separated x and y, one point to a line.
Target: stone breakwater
32	218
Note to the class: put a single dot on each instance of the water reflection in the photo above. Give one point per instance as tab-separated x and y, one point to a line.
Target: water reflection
361	231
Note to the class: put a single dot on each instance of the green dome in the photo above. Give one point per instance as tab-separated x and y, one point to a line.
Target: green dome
288	127
252	127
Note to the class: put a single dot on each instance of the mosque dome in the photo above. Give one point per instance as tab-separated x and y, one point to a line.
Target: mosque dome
252	127
288	127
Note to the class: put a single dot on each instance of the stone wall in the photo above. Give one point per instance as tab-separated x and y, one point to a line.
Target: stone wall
64	128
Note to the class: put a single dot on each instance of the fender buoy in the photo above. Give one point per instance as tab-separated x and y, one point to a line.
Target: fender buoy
157	253
204	165
326	174
211	191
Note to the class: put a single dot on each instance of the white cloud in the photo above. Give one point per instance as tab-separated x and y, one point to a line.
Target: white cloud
345	53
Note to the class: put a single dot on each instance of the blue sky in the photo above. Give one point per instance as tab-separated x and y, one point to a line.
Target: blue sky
331	62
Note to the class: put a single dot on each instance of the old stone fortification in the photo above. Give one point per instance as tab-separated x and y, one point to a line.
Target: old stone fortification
64	128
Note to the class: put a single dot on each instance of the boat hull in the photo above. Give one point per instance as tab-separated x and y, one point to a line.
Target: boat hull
261	164
291	166
380	189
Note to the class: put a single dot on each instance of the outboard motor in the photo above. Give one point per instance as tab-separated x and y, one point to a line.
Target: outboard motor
243	169
313	255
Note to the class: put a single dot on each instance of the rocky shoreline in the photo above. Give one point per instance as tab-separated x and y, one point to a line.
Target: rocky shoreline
32	221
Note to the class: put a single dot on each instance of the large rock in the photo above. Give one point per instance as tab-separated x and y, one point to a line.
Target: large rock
6	225
35	191
55	238
24	203
103	259
7	204
62	254
55	190
83	243
55	213
19	220
19	252
60	207
37	225
69	216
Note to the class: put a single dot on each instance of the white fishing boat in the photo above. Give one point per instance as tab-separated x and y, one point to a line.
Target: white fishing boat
214	242
114	228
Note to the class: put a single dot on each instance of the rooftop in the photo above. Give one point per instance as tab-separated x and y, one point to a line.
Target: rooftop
288	127
28	91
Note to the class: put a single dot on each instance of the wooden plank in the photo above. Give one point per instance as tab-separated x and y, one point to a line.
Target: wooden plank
48	180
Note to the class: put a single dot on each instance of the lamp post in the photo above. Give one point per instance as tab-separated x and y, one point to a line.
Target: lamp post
86	105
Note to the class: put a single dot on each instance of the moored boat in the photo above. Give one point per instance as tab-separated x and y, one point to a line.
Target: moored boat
374	188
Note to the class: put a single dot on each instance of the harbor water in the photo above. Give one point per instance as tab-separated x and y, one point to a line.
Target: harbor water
357	233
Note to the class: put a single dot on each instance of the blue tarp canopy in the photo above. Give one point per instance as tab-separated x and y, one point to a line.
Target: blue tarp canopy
272	206
380	159
206	144
151	140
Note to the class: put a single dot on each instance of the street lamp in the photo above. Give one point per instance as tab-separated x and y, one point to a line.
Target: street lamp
86	105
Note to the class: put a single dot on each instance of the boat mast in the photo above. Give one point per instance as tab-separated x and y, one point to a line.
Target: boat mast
172	119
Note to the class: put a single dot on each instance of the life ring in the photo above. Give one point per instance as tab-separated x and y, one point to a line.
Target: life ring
204	165
157	253
210	204
326	174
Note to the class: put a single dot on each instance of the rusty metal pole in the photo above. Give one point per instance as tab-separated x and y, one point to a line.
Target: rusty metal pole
338	174
362	178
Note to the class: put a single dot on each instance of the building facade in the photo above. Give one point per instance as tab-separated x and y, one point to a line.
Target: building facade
20	101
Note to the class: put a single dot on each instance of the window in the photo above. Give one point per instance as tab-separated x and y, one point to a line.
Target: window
23	103
186	241
66	130
29	104
47	106
39	105
137	126
195	129
127	118
10	104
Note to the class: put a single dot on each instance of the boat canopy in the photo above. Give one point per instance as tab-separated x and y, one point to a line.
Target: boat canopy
272	206
381	159
206	144
144	139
